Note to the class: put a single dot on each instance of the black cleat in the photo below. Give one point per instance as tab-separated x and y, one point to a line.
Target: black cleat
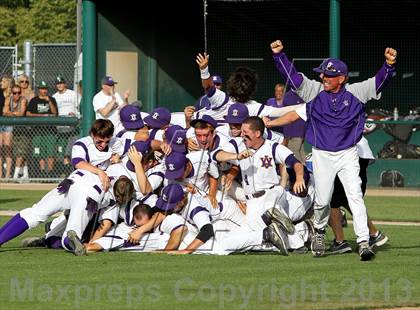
365	251
379	240
340	248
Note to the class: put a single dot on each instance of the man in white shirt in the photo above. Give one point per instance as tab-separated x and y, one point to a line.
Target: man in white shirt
107	103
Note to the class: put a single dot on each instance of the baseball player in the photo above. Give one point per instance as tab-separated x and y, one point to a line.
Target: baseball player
335	120
82	193
261	184
240	87
94	153
167	235
376	238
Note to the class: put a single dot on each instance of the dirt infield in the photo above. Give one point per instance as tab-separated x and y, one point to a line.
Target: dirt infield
371	191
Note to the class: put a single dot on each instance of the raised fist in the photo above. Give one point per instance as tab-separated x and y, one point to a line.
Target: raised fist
276	46
390	55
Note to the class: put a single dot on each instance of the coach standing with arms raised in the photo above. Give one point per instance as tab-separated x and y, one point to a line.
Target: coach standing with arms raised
334	113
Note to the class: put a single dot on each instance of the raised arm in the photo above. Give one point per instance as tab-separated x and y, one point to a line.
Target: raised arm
284	66
203	63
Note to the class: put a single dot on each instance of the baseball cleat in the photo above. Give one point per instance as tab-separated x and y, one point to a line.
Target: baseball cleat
379	240
277	237
75	243
318	243
365	251
340	248
33	242
278	217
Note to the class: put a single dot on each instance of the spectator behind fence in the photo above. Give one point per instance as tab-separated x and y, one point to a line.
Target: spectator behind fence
27	92
68	167
68	106
43	141
107	102
16	107
6	84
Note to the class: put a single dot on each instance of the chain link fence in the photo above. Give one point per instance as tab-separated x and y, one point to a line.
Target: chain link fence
38	151
52	60
8	60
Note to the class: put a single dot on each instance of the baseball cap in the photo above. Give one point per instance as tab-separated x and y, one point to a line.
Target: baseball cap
59	79
158	118
42	84
176	137
108	80
130	117
217	79
171	195
175	165
332	67
142	147
206	119
237	113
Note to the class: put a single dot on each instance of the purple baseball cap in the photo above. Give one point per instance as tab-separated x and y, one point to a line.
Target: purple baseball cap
175	165
206	119
237	113
332	67
158	118
108	80
171	195
176	137
142	147
130	117
217	79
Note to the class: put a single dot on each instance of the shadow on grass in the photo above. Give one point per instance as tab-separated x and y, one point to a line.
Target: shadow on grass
9	200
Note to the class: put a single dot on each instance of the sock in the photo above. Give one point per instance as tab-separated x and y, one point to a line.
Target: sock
13	228
54	242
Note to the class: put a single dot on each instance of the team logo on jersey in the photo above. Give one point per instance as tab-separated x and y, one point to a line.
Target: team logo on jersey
235	112
179	140
133	117
266	161
346	102
171	167
155	115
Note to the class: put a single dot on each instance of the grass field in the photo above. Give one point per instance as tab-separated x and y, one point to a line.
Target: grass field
52	279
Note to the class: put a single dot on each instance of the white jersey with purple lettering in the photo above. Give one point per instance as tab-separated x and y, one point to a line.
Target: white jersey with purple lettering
220	103
127	138
84	149
202	167
260	171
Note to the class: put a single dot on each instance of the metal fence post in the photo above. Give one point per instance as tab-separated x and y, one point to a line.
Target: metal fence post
335	28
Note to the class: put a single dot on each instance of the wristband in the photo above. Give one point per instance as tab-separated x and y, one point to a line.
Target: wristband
205	73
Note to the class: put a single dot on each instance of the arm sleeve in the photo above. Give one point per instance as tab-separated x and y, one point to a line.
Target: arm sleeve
217	97
206	232
200	216
117	146
155	179
287	70
79	152
308	89
109	213
98	103
281	153
371	88
302	112
170	223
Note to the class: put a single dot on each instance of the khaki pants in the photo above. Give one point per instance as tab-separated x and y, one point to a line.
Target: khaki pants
295	144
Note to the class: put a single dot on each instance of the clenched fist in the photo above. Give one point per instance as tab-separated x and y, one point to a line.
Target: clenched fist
276	46
390	55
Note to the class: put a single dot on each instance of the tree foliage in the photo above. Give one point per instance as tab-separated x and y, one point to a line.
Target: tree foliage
42	21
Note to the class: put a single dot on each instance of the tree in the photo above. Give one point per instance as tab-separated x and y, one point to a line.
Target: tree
42	21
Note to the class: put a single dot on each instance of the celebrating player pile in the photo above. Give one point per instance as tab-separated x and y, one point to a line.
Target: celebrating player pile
217	180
